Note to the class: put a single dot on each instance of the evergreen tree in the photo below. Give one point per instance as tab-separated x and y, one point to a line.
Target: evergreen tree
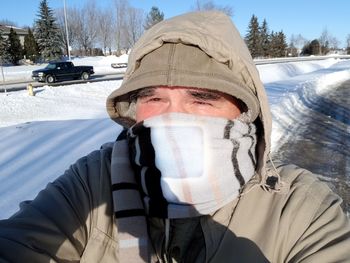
253	37
282	44
315	47
153	17
47	33
273	44
3	48
278	44
14	49
306	49
31	50
312	48
264	36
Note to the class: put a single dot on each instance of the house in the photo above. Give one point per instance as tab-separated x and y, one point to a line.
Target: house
21	33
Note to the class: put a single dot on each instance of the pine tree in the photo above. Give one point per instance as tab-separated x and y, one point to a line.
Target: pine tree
264	37
282	44
31	50
278	44
153	17
47	33
315	47
14	50
306	49
273	44
252	38
3	48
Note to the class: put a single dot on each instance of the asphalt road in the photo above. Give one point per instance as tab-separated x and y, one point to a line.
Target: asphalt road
321	140
23	85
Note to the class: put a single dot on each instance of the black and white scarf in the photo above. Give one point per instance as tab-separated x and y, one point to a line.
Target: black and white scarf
176	165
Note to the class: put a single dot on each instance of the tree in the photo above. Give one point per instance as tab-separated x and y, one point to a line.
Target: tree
61	23
89	17
129	27
348	45
153	17
315	47
312	48
47	33
133	25
292	50
120	6
278	44
273	51
252	38
282	44
31	49
264	38
3	48
105	21
297	42
324	40
207	5
14	50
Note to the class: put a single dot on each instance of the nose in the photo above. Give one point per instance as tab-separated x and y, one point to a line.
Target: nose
175	105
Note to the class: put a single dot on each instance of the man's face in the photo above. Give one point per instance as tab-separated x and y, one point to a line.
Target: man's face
158	100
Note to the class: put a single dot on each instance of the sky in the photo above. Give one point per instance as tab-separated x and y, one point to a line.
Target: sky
308	18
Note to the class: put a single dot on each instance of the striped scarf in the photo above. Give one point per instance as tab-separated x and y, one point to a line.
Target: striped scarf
181	166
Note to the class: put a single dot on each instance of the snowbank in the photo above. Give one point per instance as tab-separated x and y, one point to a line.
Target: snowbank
101	64
276	72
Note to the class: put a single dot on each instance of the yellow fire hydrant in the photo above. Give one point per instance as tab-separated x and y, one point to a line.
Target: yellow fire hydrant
30	90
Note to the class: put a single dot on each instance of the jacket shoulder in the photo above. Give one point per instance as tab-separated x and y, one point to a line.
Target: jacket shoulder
71	219
304	182
304	220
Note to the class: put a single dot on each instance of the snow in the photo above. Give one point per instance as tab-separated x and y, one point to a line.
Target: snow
102	65
42	135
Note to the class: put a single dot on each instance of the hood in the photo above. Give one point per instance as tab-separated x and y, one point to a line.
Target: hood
214	33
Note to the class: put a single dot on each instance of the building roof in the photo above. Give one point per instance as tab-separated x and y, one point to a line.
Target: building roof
6	30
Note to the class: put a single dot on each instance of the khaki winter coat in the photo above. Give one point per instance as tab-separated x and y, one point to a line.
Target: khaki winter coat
283	215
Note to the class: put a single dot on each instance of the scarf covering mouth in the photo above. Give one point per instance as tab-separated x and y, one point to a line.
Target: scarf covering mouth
177	165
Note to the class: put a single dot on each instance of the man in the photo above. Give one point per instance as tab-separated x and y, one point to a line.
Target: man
188	180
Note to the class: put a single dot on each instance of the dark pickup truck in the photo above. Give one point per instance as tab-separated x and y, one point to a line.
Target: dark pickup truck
56	71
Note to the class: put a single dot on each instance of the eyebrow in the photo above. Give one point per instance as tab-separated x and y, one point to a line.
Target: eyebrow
142	93
195	93
204	95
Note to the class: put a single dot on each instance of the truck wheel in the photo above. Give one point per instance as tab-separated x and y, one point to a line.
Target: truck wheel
50	79
85	76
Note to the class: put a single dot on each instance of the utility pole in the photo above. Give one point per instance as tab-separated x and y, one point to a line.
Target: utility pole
65	21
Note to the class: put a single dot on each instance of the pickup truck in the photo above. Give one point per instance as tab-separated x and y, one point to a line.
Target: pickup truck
56	71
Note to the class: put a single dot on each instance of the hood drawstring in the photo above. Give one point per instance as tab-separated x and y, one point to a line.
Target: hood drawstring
274	183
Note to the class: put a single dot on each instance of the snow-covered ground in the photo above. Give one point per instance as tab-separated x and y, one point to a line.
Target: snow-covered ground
42	135
102	65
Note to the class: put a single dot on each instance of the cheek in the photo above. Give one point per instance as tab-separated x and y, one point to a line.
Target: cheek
144	111
228	111
232	112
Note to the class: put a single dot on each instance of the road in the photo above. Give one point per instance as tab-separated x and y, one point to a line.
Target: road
321	140
93	78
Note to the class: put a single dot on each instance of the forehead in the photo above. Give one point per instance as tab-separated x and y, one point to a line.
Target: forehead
185	90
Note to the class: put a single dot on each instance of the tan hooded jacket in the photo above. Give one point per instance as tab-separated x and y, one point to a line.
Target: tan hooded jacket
282	215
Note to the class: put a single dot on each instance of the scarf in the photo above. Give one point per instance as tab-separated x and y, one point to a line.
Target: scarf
176	166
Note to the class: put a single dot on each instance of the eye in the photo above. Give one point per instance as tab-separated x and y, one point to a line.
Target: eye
154	99
150	99
202	102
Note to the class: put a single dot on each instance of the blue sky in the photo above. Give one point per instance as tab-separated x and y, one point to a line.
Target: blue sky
306	17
